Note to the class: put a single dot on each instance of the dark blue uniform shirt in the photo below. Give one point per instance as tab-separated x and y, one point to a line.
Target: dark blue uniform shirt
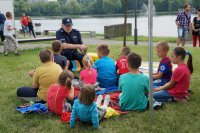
74	37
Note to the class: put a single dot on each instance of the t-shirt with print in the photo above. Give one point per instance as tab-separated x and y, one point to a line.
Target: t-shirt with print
165	67
181	77
122	66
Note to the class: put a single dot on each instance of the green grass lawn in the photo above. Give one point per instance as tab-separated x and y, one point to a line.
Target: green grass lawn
173	117
145	39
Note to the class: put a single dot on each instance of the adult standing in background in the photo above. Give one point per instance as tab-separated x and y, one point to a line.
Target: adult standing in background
24	23
2	20
196	29
183	22
31	27
71	42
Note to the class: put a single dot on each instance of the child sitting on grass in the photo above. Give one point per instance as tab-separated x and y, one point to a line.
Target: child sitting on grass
84	108
59	94
59	59
164	73
134	86
179	84
105	67
89	74
121	64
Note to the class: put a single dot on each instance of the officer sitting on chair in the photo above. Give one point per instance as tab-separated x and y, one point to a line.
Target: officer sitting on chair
71	42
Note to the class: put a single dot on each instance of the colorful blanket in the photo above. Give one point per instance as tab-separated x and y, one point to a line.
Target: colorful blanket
35	108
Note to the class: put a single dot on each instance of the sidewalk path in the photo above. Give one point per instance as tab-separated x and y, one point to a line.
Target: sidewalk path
88	40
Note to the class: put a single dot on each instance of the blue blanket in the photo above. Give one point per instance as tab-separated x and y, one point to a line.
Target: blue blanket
35	108
107	90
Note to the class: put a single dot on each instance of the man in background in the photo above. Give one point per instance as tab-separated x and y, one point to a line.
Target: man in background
183	22
2	20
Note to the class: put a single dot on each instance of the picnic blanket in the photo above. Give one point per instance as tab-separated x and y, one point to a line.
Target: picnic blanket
35	108
107	90
114	97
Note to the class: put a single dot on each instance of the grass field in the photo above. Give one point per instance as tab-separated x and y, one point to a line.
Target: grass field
173	117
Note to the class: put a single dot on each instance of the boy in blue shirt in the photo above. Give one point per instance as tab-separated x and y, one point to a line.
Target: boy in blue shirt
105	67
134	86
164	72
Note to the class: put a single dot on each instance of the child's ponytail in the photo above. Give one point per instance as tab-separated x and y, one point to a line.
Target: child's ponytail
189	62
179	51
65	79
87	61
89	66
68	83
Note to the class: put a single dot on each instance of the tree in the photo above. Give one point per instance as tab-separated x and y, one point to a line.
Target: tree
111	6
73	7
53	9
39	9
98	6
22	6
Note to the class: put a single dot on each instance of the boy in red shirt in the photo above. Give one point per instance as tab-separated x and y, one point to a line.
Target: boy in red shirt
121	65
178	86
122	61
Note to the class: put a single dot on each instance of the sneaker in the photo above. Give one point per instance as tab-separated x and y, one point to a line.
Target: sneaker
157	105
99	100
106	102
17	54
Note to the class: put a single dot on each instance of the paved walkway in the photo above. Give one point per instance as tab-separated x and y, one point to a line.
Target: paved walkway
88	40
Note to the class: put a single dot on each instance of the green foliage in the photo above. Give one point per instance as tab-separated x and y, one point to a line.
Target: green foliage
21	6
92	7
73	7
111	6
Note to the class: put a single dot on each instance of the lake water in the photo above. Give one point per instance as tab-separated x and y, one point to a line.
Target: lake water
162	25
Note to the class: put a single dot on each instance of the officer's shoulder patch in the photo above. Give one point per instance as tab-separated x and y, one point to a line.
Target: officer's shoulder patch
61	30
76	30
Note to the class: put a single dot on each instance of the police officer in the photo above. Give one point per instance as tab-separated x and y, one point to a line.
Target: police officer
71	41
